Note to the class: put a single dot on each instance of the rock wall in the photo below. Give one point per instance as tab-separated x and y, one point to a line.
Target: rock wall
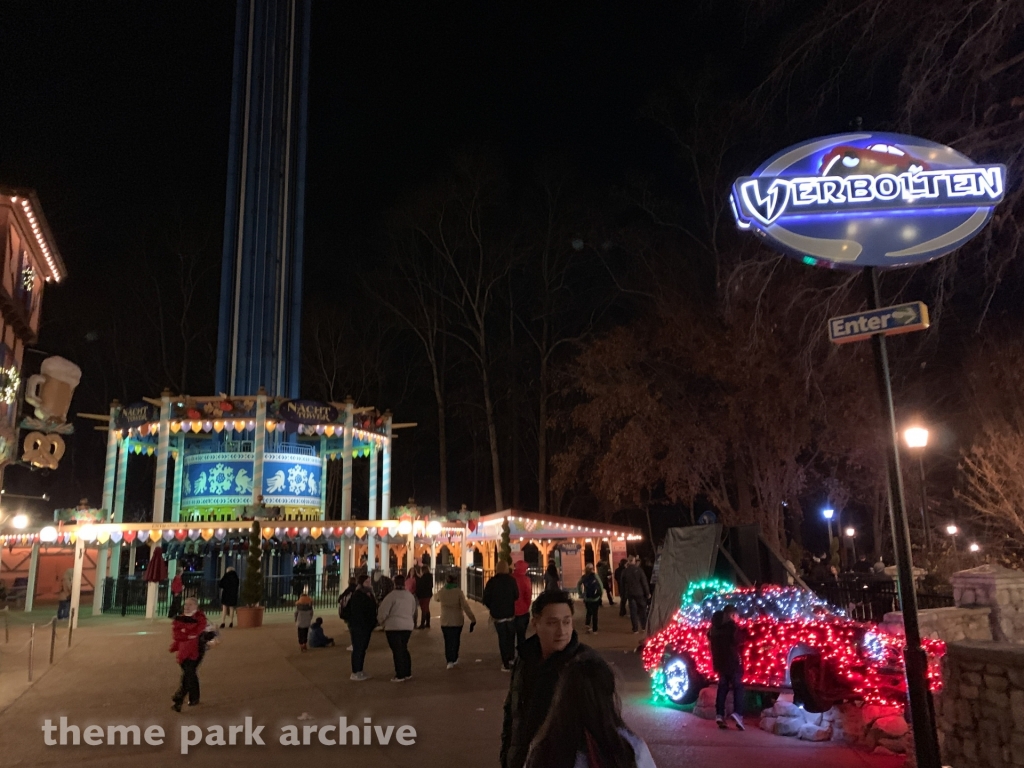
952	625
1001	590
980	713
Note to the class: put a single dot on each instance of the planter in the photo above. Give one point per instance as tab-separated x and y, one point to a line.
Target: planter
249	617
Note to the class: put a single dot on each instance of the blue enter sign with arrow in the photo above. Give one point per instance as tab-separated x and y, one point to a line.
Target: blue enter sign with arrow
889	321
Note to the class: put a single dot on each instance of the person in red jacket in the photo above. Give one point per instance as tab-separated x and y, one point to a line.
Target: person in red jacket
523	602
187	647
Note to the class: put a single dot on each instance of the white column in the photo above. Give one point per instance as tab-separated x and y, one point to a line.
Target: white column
259	443
385	491
464	563
163	450
76	582
433	555
179	474
323	478
33	569
319	573
100	581
118	504
371	537
346	485
106	504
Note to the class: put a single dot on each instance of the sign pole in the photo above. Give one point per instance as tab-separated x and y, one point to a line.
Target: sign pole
922	709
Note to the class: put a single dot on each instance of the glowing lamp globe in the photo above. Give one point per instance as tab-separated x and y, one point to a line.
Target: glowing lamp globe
828	513
20	521
850	532
433	527
952	530
87	533
405	527
48	535
974	547
915	437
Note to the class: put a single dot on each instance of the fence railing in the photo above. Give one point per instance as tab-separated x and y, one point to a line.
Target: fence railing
871	600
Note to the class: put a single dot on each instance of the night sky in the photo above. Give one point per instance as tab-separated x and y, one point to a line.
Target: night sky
117	113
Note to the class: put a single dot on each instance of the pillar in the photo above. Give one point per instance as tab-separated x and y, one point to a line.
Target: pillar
163	449
259	445
118	510
371	539
346	483
179	474
76	582
464	563
107	504
433	555
318	585
33	569
385	488
323	477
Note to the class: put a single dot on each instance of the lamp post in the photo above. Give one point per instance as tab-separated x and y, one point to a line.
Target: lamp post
916	439
851	534
952	530
828	514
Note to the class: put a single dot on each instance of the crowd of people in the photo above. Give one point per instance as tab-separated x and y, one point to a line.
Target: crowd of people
561	710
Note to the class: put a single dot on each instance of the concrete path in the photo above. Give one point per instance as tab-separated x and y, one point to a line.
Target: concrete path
118	672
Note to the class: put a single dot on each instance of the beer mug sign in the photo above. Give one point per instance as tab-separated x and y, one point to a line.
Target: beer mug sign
50	390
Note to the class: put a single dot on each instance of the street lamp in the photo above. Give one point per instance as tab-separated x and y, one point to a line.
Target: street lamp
975	548
851	535
916	439
952	530
20	522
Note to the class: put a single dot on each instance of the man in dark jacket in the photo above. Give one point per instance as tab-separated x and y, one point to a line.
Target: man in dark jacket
360	613
500	597
619	570
228	585
604	573
535	675
424	591
637	591
724	639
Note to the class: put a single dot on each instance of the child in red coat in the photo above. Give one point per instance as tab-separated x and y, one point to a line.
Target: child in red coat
187	646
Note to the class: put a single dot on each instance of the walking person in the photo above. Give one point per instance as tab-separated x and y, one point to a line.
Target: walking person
411	578
584	726
637	591
360	613
425	591
453	605
589	587
552	579
500	598
535	674
303	620
397	614
228	585
186	631
604	573
724	638
619	570
177	587
522	609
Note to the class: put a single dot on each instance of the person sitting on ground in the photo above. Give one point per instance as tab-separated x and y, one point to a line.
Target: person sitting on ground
317	639
584	728
542	658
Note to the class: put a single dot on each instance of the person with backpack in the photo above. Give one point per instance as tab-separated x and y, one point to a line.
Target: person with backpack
500	596
584	727
724	639
589	587
360	613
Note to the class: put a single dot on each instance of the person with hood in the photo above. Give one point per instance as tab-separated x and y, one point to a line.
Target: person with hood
604	573
453	605
552	579
637	591
585	726
536	673
724	639
589	587
397	614
228	585
425	591
317	638
187	647
619	570
500	598
360	613
522	609
303	619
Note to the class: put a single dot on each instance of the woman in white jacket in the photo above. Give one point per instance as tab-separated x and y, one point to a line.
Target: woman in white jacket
397	614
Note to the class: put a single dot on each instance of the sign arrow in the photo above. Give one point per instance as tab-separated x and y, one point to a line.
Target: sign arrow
887	321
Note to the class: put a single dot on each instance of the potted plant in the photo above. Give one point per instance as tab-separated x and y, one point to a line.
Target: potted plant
250	612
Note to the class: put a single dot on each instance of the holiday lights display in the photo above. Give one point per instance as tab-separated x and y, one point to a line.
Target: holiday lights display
778	624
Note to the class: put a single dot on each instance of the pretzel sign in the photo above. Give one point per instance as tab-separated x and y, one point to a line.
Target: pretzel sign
43	451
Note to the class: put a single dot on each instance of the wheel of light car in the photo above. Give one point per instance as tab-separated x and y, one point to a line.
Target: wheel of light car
682	681
806	674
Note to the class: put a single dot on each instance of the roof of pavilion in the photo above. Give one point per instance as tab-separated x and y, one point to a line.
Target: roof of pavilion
530	525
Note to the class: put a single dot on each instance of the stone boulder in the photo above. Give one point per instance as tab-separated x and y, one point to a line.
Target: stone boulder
705	706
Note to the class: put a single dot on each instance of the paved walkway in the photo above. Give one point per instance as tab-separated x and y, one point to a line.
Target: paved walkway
118	671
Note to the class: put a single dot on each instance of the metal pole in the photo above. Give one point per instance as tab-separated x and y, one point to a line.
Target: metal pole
71	625
53	636
7	626
924	507
31	650
922	710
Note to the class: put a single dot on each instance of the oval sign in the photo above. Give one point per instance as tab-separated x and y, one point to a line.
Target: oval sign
868	200
307	412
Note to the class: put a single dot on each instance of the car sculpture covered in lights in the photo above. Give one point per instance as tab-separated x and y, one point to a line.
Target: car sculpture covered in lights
790	639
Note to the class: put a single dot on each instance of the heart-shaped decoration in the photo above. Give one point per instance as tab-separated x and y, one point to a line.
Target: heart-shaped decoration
180	534
130	536
193	534
116	536
168	535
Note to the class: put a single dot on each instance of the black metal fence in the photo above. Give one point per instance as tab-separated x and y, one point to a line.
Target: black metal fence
870	600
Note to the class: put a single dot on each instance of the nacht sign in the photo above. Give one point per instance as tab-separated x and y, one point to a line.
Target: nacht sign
868	200
308	412
889	321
